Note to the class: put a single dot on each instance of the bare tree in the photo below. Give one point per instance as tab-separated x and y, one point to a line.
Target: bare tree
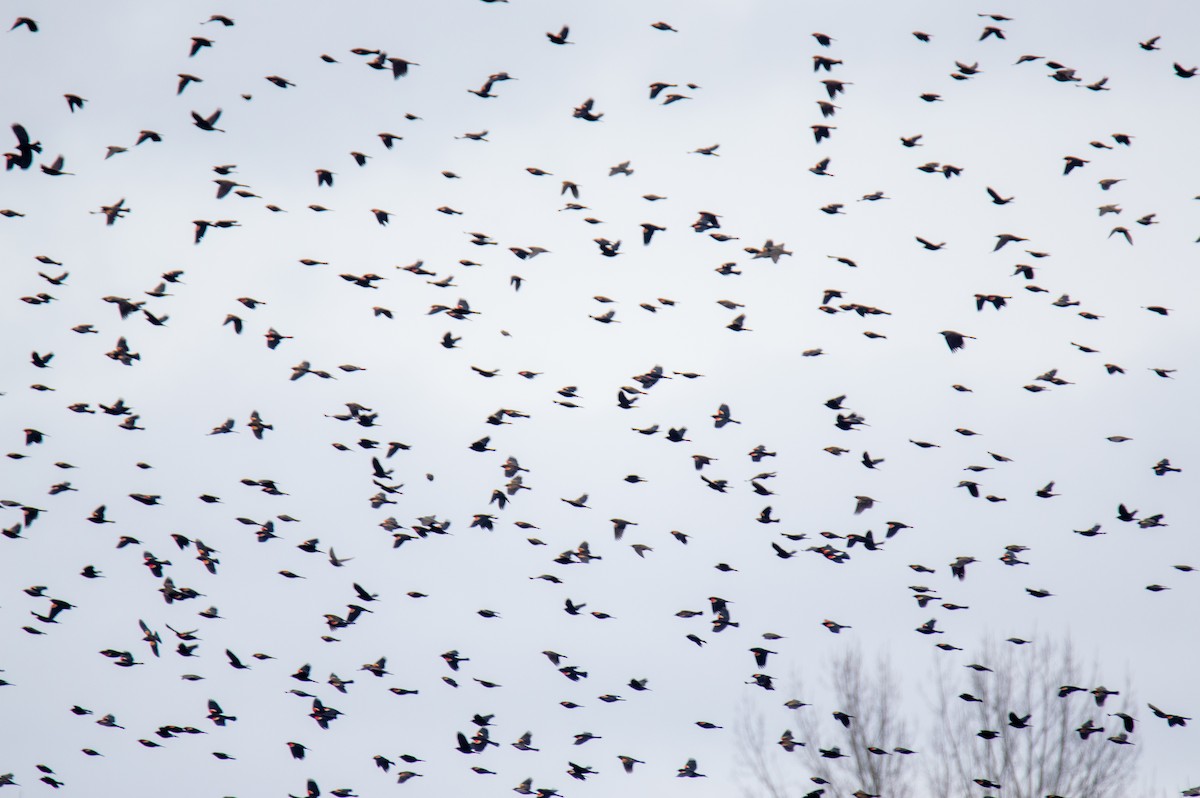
1009	721
846	746
755	757
1016	723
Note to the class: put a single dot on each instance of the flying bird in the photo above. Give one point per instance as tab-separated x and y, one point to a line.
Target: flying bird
955	340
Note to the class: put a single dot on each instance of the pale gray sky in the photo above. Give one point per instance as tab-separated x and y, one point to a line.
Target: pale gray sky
1009	127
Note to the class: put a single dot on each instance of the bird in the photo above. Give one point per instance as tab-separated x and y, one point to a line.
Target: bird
958	568
584	111
1073	163
863	503
834	87
114	212
996	199
1171	718
1005	238
55	169
207	123
26	149
955	340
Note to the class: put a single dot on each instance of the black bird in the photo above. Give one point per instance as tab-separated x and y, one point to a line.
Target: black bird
996	198
1170	718
955	340
584	111
209	122
23	157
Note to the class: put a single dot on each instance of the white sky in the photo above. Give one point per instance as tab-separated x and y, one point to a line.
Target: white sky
1009	127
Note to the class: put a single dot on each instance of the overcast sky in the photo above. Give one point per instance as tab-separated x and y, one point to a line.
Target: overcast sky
745	72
